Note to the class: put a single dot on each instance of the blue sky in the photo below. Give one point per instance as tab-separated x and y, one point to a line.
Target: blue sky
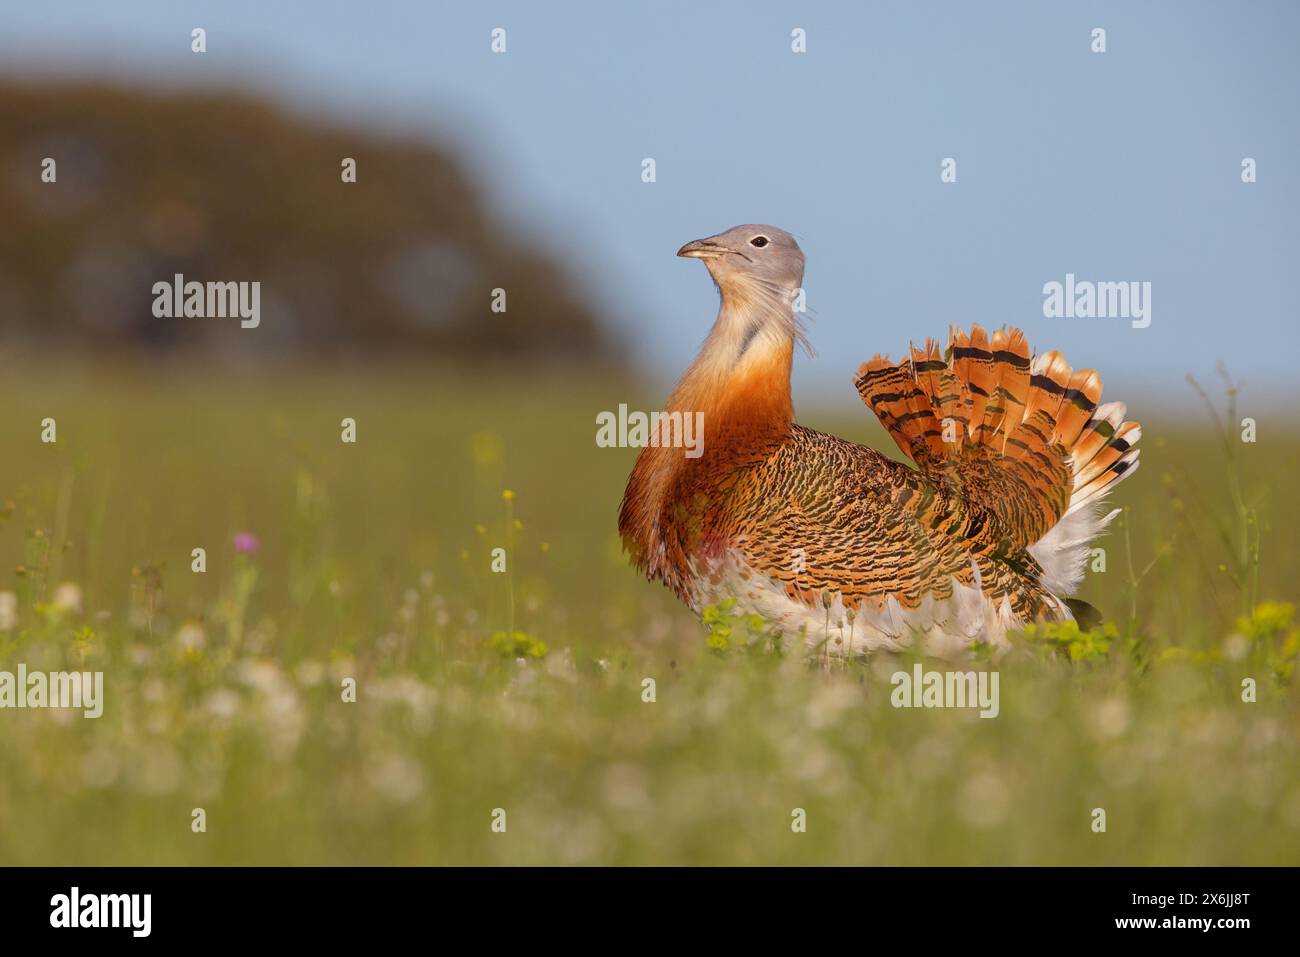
1122	166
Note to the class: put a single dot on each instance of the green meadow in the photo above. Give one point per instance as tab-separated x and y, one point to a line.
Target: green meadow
518	697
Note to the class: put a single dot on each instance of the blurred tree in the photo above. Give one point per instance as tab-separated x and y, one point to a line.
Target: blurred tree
221	187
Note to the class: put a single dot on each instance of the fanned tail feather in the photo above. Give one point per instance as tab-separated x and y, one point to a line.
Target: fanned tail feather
1019	436
893	394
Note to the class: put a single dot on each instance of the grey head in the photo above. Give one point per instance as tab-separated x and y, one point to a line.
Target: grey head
752	253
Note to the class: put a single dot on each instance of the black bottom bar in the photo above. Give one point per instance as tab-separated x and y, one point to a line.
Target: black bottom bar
335	906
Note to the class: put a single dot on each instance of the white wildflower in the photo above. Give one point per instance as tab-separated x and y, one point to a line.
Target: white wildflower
309	673
191	637
67	597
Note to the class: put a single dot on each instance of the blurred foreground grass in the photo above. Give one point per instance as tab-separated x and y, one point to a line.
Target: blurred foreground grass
372	562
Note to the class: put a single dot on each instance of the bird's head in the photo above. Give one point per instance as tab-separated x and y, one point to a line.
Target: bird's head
750	256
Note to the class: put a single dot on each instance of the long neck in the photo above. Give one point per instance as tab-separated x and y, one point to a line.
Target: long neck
742	388
740	382
741	378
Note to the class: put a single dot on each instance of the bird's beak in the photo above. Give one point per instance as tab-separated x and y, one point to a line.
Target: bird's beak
702	249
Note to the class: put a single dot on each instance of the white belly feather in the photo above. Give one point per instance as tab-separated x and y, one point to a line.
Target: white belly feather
944	628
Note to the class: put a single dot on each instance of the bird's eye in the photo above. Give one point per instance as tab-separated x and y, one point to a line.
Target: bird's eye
759	241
